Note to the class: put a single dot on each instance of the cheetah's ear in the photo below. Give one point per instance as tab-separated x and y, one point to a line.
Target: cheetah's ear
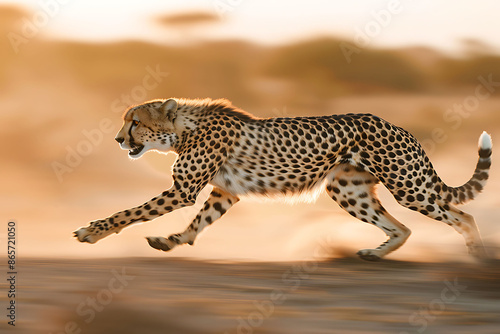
169	109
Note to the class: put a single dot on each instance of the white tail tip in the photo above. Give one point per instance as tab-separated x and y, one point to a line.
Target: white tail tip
485	141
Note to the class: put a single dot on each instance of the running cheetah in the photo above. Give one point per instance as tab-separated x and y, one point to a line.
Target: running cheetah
239	154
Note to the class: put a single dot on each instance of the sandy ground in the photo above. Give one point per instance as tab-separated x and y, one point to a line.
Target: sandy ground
346	295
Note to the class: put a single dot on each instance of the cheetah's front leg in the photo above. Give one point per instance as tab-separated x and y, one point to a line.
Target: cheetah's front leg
168	201
216	205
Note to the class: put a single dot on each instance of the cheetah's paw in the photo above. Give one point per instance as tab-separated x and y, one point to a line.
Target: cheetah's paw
479	252
161	243
369	254
94	232
85	234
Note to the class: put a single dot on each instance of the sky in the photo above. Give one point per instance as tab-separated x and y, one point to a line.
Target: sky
440	24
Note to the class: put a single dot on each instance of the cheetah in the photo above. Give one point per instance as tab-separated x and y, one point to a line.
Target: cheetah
239	154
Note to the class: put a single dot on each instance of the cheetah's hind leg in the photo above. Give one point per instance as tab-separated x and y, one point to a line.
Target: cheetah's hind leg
462	222
354	190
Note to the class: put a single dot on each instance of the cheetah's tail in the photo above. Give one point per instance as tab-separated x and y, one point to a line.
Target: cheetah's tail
477	182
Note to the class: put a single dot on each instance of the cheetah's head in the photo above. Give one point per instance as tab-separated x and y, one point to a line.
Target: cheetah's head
149	126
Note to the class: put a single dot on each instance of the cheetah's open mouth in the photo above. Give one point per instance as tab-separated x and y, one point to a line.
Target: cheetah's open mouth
135	150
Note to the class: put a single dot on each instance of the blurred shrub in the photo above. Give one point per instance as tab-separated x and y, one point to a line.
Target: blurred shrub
206	70
311	70
465	71
320	63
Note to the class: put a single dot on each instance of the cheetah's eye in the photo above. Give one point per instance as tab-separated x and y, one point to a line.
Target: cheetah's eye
135	123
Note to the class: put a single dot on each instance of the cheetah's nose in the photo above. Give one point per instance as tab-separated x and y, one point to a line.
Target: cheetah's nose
119	140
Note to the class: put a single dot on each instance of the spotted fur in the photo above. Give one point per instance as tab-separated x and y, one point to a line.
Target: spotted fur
239	155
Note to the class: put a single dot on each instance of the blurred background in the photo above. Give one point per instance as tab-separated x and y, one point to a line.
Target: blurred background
68	70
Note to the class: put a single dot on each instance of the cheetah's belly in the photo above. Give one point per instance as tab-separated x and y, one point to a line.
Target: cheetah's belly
268	181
